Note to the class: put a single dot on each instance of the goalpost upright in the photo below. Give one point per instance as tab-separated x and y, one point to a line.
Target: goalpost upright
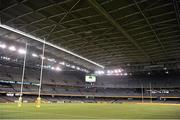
38	101
22	79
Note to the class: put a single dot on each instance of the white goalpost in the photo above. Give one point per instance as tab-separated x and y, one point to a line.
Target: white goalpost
20	101
38	101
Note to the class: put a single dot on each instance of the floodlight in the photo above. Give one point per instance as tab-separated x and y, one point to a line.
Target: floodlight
165	68
12	48
96	72
58	69
3	46
116	71
52	68
77	68
5	58
108	71
73	66
34	55
125	74
51	59
100	72
62	63
22	51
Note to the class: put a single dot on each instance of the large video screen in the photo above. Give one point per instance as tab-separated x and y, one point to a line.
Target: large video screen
90	78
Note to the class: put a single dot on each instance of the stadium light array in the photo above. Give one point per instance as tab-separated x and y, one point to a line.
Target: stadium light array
12	48
100	72
21	51
51	60
5	58
3	46
48	43
115	72
62	63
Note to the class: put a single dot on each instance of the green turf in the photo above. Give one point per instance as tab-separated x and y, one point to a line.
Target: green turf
98	111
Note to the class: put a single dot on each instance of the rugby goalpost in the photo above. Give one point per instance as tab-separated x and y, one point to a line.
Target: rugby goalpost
38	100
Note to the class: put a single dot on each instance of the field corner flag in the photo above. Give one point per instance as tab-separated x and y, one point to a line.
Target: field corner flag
38	102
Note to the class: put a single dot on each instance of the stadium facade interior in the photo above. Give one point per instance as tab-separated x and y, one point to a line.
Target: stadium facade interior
132	47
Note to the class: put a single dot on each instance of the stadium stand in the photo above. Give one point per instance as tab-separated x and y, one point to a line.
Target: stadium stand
73	84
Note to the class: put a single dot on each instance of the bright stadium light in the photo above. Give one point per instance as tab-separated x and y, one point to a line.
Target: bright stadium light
62	63
116	71
165	68
108	71
72	66
58	69
51	59
125	74
119	70
77	68
100	72
3	46
52	68
22	51
3	57
12	48
34	55
48	43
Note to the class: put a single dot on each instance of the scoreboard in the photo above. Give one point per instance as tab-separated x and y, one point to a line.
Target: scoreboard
90	78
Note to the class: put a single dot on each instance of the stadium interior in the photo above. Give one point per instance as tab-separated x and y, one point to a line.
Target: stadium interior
53	49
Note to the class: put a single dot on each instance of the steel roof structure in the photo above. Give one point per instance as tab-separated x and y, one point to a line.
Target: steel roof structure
111	33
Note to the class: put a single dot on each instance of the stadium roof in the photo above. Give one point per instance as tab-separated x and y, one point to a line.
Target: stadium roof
109	32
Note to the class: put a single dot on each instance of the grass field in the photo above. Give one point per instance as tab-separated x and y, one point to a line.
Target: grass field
93	111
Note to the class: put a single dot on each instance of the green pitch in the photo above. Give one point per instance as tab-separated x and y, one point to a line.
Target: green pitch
94	111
